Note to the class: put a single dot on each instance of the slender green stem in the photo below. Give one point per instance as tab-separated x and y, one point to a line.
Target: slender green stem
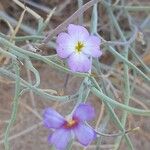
113	114
126	76
28	37
80	4
14	109
36	73
122	58
133	8
38	91
116	104
6	53
147	69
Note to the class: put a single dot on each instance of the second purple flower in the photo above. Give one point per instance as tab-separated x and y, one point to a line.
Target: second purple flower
75	127
78	46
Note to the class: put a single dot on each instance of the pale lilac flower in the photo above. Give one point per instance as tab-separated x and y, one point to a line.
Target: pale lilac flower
65	130
78	46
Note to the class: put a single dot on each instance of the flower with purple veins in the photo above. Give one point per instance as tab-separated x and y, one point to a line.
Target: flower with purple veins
78	46
65	130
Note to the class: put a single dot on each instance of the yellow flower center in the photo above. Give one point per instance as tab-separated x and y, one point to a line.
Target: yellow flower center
71	123
79	46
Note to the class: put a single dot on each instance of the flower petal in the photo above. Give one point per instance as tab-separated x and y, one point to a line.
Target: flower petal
79	62
84	134
52	119
84	112
79	33
65	45
60	138
92	46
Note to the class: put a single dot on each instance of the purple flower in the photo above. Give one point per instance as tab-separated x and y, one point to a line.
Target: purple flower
78	46
65	130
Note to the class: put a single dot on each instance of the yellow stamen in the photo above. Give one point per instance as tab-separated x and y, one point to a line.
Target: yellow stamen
79	46
71	123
